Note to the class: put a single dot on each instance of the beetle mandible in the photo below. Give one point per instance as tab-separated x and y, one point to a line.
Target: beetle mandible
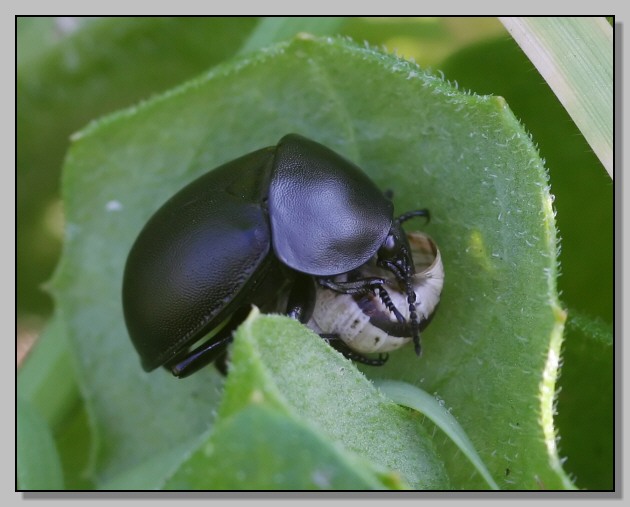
264	229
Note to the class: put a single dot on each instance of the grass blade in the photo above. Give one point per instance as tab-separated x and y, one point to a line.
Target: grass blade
575	56
415	398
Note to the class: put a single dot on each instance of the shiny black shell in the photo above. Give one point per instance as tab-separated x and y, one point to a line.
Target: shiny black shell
237	235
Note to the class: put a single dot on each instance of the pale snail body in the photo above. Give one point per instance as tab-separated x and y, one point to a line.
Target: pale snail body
364	323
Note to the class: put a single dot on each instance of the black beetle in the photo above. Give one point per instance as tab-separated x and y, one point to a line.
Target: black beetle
263	229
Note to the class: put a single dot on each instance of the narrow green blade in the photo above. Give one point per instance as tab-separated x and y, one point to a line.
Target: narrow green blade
575	56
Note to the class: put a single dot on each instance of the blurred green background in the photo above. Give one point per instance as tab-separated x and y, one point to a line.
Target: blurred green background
73	70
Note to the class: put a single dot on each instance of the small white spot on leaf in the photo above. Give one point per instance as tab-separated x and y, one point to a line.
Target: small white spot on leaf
113	206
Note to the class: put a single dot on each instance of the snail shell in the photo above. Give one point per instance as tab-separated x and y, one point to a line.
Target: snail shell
363	321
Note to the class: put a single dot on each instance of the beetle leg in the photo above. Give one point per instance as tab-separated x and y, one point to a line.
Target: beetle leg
387	301
415	213
302	299
402	271
360	286
220	363
207	352
340	346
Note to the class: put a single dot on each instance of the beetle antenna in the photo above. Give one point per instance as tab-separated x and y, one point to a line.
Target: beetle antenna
413	316
404	275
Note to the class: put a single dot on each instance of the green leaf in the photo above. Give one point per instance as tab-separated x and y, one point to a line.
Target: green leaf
259	448
47	379
308	380
277	29
38	464
575	56
153	473
74	439
491	349
48	382
586	284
